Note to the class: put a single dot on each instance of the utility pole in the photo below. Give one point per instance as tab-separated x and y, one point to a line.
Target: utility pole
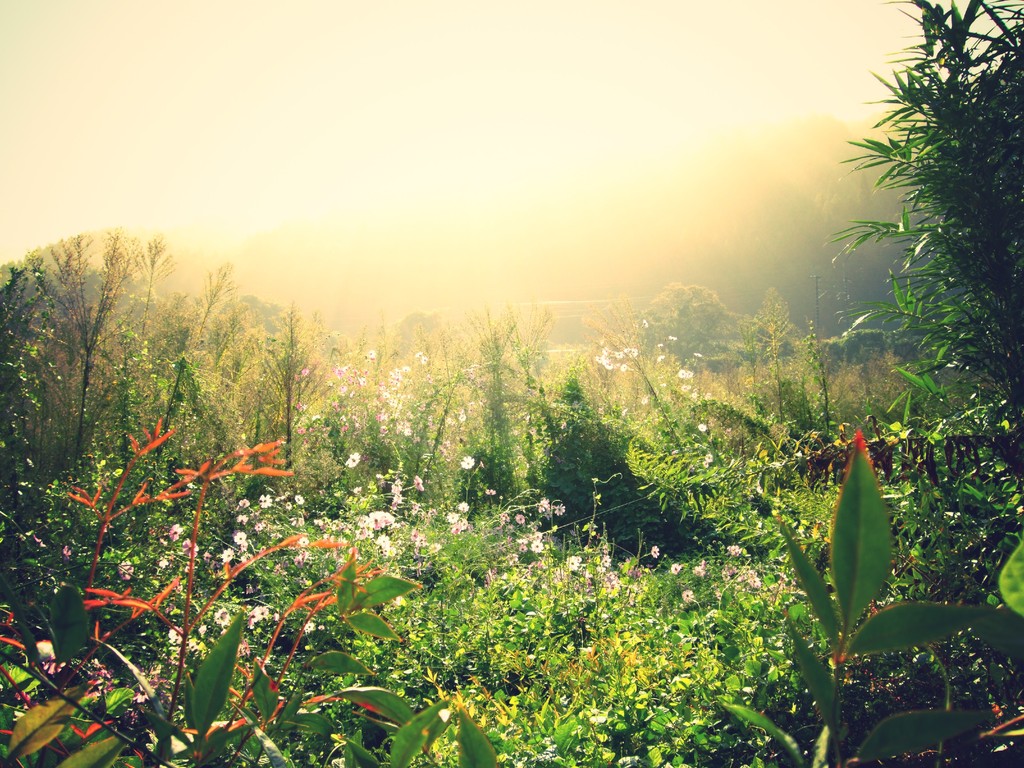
817	306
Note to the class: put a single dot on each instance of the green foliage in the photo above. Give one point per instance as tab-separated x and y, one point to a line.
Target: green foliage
860	564
952	147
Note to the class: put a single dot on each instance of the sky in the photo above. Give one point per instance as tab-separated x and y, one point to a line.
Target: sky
245	117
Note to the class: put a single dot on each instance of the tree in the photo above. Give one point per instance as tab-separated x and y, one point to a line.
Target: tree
774	336
955	149
691	317
88	302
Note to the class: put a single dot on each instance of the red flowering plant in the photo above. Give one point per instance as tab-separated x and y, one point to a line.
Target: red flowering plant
220	709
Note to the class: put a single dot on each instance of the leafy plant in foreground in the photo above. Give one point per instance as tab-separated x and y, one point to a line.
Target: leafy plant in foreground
860	564
221	710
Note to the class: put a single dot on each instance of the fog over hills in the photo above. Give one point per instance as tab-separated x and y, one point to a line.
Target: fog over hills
744	212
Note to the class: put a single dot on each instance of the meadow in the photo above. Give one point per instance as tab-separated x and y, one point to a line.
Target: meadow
229	536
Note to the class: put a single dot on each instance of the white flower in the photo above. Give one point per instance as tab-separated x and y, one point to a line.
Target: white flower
299	499
353	460
468	462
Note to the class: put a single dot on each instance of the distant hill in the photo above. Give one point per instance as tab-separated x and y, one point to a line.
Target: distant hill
739	214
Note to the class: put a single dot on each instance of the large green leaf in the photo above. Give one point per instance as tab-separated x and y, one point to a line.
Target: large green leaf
913	731
264	693
96	754
765	723
418	734
356	755
861	548
381	702
820	757
340	663
271	750
371	624
1011	580
69	622
817	676
907	625
475	750
38	726
814	586
213	680
384	588
1003	629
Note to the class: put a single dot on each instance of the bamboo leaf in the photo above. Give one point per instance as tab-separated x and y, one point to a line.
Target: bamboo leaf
913	731
861	548
765	723
908	625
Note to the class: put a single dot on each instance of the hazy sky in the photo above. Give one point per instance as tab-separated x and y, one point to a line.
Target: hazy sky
244	116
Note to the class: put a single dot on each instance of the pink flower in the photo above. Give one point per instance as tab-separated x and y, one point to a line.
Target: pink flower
417	483
655	552
676	568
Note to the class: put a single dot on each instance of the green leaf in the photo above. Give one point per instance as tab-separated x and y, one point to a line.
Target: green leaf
270	749
356	755
816	675
140	678
384	588
214	677
475	750
1003	629
765	723
814	586
340	663
820	758
264	692
371	624
21	619
914	731
96	754
908	625
418	734
69	622
381	702
861	548
117	700
39	725
1011	580
314	722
